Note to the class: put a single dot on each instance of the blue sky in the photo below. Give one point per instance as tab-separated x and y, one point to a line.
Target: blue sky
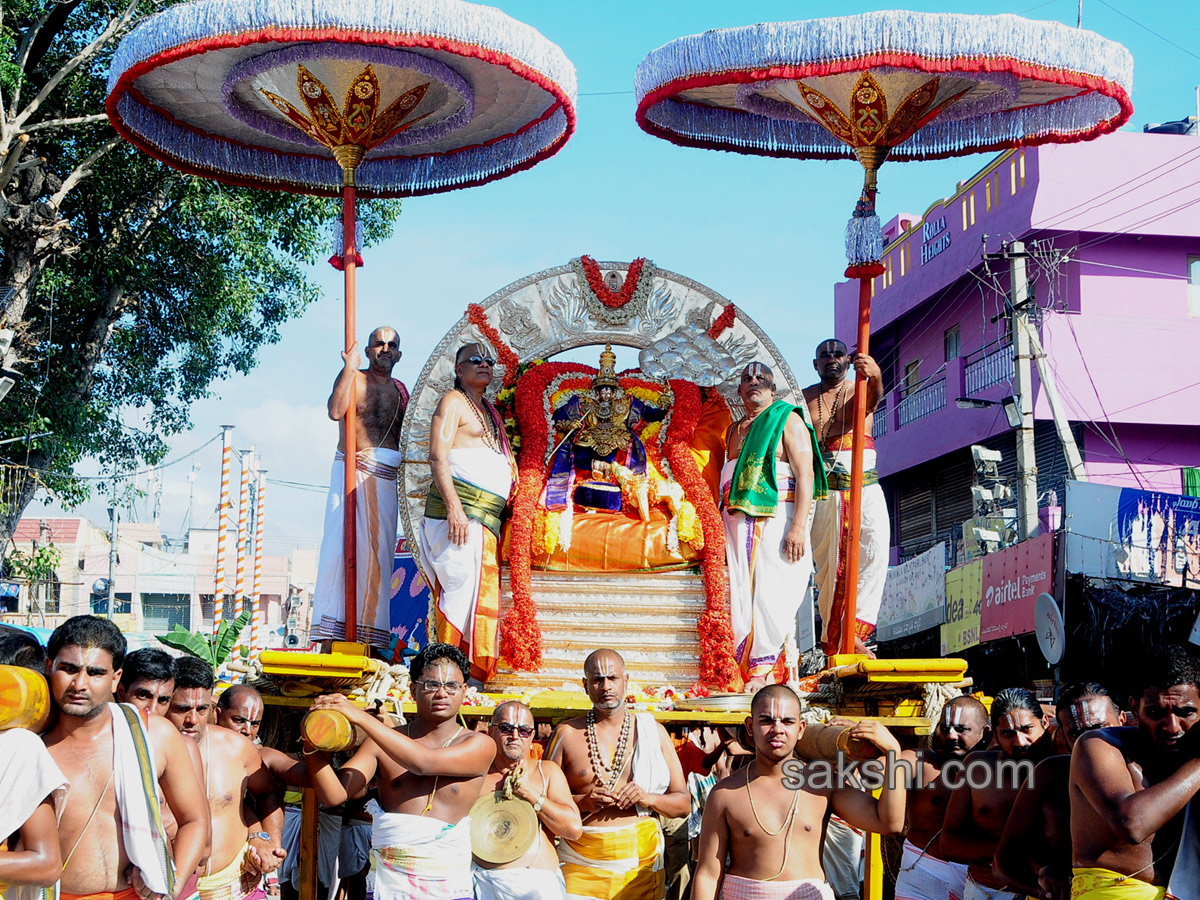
766	233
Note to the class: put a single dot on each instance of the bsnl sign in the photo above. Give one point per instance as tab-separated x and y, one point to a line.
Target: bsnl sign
934	238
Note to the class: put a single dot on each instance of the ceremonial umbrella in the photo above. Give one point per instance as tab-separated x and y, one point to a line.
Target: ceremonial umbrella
388	98
882	85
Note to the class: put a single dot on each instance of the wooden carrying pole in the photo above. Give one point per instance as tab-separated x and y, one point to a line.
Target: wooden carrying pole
871	158
348	157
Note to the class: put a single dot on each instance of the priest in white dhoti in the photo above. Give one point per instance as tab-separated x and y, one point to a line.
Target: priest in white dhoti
459	536
768	487
380	401
830	406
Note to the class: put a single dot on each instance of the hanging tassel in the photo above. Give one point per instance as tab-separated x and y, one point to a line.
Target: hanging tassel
339	244
864	241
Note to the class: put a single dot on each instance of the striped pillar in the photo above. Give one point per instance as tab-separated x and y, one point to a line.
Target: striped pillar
222	527
257	631
239	582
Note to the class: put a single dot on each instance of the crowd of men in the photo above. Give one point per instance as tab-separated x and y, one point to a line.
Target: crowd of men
143	787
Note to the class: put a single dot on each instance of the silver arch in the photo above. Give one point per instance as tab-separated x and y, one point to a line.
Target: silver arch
544	314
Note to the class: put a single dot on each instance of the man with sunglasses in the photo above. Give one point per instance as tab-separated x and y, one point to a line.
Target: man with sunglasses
459	535
831	404
380	401
541	784
428	773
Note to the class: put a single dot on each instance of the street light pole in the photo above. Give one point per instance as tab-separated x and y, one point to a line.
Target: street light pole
112	559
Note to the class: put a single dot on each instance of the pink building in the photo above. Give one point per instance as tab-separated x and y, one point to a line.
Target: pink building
1114	226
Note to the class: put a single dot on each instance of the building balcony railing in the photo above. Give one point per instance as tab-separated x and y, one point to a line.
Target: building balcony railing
879	424
987	366
921	401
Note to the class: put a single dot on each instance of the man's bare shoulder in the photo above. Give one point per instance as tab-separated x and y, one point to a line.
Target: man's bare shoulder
1124	741
470	737
811	392
230	745
724	791
451	400
578	724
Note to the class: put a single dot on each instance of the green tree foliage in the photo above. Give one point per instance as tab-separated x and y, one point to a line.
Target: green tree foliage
134	286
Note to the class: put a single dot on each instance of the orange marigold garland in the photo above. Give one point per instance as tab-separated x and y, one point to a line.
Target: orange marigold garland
717	668
520	634
504	353
595	280
723	321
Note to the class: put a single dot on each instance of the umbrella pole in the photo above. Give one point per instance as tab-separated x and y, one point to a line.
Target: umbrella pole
850	611
350	508
871	158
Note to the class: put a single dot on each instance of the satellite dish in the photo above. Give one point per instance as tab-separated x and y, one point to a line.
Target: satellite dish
1048	628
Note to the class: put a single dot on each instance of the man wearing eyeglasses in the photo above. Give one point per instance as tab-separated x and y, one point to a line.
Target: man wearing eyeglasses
473	473
428	773
380	401
541	784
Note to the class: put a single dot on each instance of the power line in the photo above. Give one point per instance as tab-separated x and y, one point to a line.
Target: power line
1161	37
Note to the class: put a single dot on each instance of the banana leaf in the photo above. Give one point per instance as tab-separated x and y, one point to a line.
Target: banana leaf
213	651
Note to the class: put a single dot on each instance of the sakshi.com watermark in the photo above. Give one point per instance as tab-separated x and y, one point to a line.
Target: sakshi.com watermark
893	772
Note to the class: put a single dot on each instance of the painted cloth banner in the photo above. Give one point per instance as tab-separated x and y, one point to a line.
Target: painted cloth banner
964	589
410	599
914	596
1012	579
1160	534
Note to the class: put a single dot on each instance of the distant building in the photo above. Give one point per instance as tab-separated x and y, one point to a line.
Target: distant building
154	589
1115	228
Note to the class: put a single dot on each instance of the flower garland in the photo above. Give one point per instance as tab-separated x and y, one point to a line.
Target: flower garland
504	353
608	307
717	667
723	321
520	634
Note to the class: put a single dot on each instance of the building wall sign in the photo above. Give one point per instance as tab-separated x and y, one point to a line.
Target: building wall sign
914	595
1012	579
964	589
935	237
1146	536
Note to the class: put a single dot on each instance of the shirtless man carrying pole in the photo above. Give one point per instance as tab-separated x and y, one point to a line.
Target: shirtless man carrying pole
976	816
429	773
925	874
116	760
244	801
830	404
1034	853
769	818
380	401
1129	788
535	875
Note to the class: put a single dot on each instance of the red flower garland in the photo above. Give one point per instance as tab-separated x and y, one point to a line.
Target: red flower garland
723	321
717	667
520	634
595	281
477	317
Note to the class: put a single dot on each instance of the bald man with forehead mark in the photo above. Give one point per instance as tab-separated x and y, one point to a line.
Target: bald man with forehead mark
622	769
925	873
379	402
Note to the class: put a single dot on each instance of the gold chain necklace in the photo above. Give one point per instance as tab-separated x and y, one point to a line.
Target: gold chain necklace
595	757
490	438
837	402
788	821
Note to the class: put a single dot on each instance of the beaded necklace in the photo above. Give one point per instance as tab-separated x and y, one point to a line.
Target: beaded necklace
837	402
618	760
491	438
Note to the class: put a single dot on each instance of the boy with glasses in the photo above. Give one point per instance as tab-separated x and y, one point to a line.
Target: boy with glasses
428	773
458	538
535	875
